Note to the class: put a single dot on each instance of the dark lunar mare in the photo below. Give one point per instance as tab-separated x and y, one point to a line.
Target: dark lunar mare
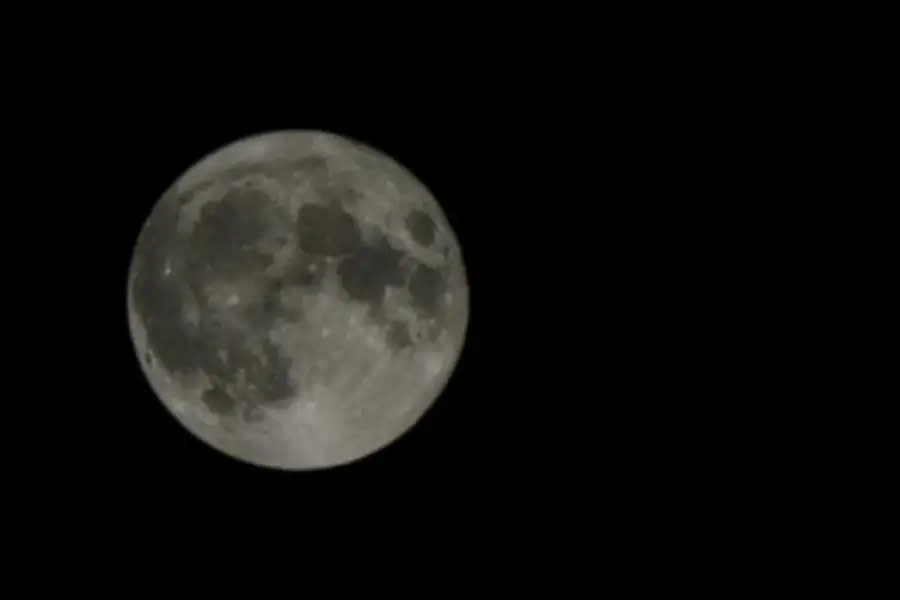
220	247
327	230
398	336
371	267
426	285
265	314
366	267
222	243
367	264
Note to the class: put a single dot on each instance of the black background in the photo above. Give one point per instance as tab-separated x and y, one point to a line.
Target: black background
501	172
551	175
617	185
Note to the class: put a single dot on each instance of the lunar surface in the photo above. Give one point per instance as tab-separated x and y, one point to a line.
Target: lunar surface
297	300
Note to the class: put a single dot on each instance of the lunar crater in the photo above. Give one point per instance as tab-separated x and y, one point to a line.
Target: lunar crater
421	227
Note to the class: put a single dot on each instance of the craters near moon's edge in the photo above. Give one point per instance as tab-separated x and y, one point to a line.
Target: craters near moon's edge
421	227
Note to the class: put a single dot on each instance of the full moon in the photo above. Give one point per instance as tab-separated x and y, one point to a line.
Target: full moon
297	300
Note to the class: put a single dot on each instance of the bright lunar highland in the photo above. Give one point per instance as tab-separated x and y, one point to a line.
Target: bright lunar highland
297	300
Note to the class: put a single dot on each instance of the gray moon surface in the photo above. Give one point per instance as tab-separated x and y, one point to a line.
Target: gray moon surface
297	300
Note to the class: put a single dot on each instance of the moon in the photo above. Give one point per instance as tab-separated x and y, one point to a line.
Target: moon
297	300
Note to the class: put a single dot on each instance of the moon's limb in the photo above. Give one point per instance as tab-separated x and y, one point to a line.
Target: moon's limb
334	319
